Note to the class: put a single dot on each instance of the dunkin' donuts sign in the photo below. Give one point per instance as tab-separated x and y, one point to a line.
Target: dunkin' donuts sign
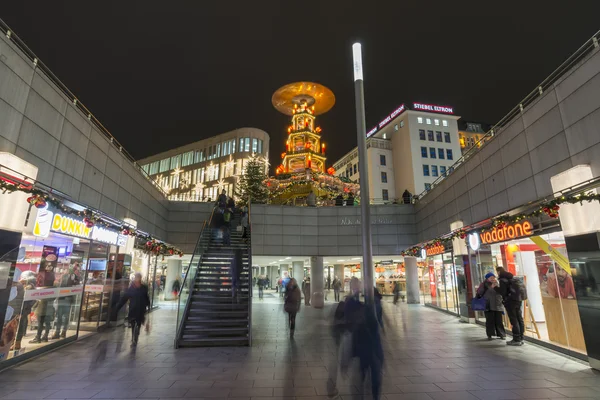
507	232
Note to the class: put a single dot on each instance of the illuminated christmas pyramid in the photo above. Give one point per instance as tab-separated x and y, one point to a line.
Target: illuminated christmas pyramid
303	101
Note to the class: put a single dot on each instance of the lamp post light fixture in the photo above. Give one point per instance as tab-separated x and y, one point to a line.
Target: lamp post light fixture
361	132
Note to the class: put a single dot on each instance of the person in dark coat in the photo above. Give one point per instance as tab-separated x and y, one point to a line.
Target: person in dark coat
490	291
139	304
339	200
362	323
512	301
350	200
235	269
306	291
293	298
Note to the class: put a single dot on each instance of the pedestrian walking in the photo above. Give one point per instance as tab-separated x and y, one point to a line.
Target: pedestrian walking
363	325
227	214
139	304
293	298
261	287
396	291
513	293
337	286
245	225
235	269
306	290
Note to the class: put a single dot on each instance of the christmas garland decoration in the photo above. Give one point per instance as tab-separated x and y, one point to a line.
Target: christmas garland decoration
41	199
550	208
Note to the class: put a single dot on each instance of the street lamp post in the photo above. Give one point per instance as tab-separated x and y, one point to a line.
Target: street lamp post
364	175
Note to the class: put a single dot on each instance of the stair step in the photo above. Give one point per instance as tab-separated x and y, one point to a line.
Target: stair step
219	306
230	341
217	330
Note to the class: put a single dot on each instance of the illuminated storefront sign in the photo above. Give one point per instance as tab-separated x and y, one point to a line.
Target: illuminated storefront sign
435	250
52	221
507	232
474	241
434	108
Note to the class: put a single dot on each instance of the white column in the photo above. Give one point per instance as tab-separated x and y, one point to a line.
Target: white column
316	282
459	246
173	273
338	270
273	276
298	271
412	280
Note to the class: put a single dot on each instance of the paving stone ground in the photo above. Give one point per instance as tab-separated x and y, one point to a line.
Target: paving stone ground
429	356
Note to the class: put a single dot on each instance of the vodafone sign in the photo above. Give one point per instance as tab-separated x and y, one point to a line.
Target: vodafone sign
507	232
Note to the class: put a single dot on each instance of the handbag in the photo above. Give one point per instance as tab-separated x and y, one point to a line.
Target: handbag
478	304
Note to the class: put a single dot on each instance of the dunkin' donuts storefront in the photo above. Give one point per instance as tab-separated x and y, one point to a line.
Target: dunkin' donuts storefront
535	253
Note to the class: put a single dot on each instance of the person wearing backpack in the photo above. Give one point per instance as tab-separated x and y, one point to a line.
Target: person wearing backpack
489	290
227	227
513	293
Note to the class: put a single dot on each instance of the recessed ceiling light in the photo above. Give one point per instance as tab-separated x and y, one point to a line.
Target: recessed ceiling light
281	260
288	258
340	260
357	258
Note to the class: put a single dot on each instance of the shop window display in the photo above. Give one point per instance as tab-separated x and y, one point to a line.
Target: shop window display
551	311
48	286
442	277
389	274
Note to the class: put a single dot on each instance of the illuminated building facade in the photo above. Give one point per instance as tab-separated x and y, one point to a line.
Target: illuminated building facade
470	134
199	171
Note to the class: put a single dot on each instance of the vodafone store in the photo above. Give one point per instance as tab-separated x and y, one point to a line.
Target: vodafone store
538	257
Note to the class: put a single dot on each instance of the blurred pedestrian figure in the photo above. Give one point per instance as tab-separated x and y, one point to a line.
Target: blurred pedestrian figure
337	286
227	213
293	298
306	290
235	270
176	287
362	323
231	204
350	200
261	287
139	304
337	331
245	225
396	291
311	200
339	200
222	200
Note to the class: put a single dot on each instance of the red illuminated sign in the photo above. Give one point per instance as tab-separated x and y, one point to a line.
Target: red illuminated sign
433	108
435	250
507	232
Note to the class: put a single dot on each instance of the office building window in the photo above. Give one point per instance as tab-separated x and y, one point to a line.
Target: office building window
441	154
449	154
432	152
260	146
442	170
420	120
428	186
187	158
176	161
447	137
254	145
153	169
354	168
395	128
247	145
145	168
430	136
384	194
382	159
164	165
425	170
444	122
424	152
233	146
434	170
402	124
241	147
383	177
438	136
436	122
422	134
428	120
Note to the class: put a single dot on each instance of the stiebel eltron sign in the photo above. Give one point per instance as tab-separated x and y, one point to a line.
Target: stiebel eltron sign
507	232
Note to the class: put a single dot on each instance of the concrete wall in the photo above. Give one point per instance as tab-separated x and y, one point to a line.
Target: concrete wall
185	223
560	130
40	125
329	231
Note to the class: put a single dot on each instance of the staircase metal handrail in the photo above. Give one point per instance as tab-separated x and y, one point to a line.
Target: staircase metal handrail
249	236
197	254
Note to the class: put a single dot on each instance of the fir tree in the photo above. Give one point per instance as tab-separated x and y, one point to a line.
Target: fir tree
251	183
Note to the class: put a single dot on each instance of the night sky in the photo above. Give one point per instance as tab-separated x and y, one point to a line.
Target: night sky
160	74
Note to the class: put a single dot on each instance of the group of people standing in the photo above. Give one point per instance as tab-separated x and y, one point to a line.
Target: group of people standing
503	294
225	208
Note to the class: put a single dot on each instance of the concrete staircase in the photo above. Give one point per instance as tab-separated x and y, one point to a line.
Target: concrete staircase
215	317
